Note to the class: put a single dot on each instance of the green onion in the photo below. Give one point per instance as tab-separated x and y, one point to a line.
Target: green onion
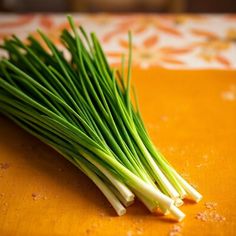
81	107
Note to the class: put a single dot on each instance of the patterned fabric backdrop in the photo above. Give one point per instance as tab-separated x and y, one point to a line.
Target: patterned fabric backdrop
169	41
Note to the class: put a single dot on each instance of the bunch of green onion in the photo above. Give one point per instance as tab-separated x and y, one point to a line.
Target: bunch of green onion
81	107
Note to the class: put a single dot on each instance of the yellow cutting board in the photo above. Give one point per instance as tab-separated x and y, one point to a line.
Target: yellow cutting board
191	116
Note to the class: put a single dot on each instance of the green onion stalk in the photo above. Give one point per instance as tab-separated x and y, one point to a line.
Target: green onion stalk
82	108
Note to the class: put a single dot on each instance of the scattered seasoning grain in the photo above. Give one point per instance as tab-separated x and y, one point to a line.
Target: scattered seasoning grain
102	214
140	221
4	166
4	207
200	165
175	231
139	231
210	214
210	205
35	196
38	196
202	216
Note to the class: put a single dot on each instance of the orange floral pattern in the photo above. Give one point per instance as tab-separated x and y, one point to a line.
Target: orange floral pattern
165	40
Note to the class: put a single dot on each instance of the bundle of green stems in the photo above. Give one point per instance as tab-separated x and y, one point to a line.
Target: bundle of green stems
81	107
